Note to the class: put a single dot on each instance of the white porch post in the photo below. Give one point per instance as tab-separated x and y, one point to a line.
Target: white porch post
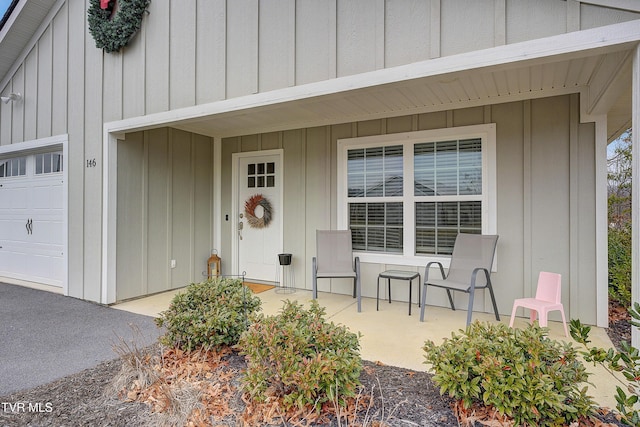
635	195
109	213
217	196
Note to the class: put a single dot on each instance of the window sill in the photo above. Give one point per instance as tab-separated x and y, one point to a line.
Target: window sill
402	260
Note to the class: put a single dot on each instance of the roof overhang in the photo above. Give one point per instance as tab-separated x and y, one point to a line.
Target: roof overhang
595	63
23	24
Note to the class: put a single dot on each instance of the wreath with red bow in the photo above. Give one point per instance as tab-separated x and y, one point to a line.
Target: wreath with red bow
250	211
112	23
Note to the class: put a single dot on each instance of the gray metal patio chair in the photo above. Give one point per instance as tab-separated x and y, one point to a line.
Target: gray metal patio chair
470	270
334	259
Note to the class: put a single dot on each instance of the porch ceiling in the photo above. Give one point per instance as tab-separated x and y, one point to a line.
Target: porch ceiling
468	88
595	63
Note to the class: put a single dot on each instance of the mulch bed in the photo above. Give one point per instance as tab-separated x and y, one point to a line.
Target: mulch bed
619	325
398	397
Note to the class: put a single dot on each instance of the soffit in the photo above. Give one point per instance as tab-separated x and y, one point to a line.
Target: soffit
22	25
476	87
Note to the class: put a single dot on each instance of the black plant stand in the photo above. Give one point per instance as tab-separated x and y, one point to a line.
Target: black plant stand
286	283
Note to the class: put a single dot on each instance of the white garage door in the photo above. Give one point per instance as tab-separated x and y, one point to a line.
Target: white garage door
32	212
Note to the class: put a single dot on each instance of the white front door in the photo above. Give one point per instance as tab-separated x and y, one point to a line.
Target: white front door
258	213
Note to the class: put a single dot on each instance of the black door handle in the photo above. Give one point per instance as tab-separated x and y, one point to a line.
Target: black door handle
29	226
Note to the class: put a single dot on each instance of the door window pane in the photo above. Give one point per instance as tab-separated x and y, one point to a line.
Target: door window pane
48	163
16	166
261	175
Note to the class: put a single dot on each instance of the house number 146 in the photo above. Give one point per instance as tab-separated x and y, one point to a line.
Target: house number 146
91	163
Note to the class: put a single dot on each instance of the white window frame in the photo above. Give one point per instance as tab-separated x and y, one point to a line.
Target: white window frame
19	175
43	173
487	134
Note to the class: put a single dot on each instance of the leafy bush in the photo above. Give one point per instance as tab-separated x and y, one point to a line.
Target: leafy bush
521	373
620	264
208	314
627	361
300	358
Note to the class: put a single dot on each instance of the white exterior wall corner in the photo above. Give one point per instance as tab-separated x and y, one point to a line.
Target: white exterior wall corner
635	198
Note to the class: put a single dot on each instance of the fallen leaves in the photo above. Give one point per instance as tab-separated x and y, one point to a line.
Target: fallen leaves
618	312
488	416
197	384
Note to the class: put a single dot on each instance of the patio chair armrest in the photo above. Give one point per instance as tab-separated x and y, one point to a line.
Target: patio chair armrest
474	274
428	267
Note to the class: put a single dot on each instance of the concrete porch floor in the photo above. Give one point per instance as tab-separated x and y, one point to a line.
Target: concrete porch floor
390	335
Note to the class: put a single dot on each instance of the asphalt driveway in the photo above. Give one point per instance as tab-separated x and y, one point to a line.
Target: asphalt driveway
46	336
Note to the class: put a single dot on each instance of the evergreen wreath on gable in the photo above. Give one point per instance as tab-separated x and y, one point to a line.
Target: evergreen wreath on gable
112	23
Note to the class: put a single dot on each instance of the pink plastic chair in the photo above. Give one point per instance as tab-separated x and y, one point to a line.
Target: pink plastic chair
547	299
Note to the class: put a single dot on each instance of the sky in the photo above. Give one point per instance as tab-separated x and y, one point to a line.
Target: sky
4	4
611	148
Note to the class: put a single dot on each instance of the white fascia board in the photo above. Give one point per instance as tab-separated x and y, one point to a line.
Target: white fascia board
630	5
34	145
564	46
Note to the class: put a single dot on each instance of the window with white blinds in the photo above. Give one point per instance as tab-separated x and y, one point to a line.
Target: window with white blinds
375	180
410	194
448	193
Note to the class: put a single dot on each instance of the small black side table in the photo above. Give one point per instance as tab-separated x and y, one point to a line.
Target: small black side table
397	275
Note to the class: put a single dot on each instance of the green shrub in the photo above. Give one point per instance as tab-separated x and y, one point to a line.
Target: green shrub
626	360
521	373
208	314
301	358
620	264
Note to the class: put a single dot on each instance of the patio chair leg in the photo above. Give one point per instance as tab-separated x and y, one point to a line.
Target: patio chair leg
314	278
358	285
453	307
424	301
470	309
493	299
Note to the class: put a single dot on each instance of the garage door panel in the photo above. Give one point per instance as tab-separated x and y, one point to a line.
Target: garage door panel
12	229
14	198
45	196
32	226
47	232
